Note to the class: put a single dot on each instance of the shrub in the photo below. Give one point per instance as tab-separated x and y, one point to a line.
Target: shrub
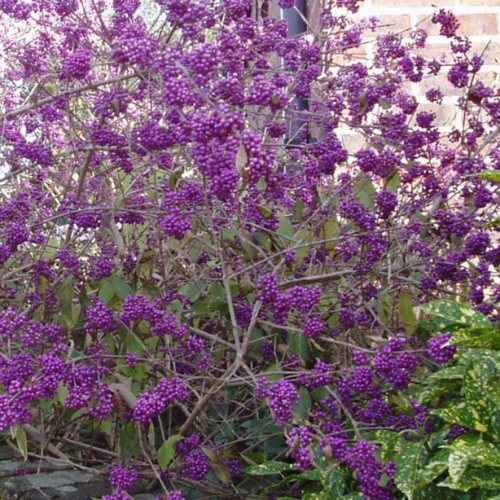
203	282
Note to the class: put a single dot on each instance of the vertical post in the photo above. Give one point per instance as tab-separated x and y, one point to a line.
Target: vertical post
296	27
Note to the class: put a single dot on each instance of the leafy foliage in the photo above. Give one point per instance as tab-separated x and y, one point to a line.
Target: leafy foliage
207	286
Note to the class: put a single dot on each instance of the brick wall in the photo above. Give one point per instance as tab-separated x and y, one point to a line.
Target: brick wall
479	20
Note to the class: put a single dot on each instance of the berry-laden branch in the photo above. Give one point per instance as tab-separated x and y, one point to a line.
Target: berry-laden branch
208	290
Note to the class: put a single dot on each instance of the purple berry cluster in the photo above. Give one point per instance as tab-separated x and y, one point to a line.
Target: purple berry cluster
196	464
299	442
123	478
440	349
78	64
283	395
206	219
152	404
362	458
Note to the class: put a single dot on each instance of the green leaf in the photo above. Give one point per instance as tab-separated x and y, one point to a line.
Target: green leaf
303	405
151	435
22	442
492	388
133	343
363	103
62	393
322	495
167	450
299	345
51	88
319	394
456	412
50	249
365	191
394	182
106	291
489	175
286	227
487	478
407	314
438	389
477	354
274	368
106	426
384	104
336	483
434	492
449	373
298	212
456	312
246	240
391	443
305	235
484	408
329	232
120	287
197	250
228	235
408	461
269	468
262	184
219	466
477	450
457	464
128	441
310	475
65	295
174	178
194	289
266	212
478	337
436	466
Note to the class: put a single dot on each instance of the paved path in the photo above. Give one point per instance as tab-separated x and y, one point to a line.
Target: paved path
42	480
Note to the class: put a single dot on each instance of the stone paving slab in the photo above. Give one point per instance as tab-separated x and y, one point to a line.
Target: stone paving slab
48	479
45	479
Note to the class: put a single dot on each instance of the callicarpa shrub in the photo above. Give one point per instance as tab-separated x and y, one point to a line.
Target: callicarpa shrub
206	289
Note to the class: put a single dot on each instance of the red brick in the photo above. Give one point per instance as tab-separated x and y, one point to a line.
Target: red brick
414	3
441	82
445	113
478	24
393	23
349	56
470	24
490	78
441	51
491	54
480	3
353	143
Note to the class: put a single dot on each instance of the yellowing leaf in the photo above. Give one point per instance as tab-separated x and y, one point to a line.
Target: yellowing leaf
407	313
22	442
330	231
167	450
241	159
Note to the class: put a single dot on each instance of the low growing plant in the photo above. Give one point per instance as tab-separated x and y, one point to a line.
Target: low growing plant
207	288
